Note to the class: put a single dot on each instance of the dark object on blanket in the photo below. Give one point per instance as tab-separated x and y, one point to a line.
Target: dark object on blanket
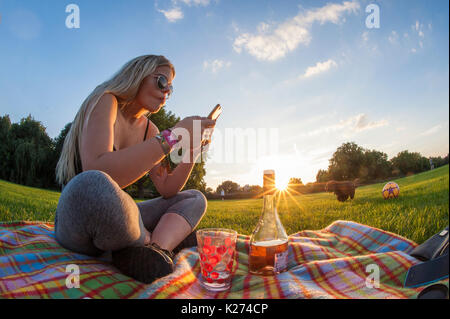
145	264
434	247
150	262
343	190
438	291
435	256
427	272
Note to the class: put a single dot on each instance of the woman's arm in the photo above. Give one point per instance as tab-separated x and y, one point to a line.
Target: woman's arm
124	166
169	184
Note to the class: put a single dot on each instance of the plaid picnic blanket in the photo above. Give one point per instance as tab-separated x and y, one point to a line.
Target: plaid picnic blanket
334	262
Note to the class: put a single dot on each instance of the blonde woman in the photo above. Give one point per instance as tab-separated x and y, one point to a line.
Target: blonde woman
112	144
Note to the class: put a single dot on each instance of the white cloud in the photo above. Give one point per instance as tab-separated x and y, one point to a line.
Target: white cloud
215	65
286	37
196	2
432	130
173	14
320	67
371	46
365	36
418	27
360	123
393	37
235	26
418	30
354	124
263	27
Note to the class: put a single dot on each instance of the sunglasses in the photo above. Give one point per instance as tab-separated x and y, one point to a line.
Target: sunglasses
163	84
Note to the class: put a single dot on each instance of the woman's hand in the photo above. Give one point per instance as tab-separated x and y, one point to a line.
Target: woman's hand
191	130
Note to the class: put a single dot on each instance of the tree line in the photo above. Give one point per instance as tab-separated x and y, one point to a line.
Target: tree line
29	156
349	162
353	162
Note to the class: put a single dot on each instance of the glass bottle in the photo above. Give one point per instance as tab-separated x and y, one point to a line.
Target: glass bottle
269	241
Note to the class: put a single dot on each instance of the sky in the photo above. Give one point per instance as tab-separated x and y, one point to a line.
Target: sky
296	79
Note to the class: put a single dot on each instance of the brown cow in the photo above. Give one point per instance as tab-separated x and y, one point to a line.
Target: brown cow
343	190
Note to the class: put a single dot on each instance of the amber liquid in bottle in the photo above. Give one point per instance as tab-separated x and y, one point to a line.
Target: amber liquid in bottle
269	242
268	257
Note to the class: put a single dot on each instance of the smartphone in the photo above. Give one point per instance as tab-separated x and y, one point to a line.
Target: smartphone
215	112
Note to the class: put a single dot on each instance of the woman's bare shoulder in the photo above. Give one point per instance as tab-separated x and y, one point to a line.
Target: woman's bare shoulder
104	112
105	108
153	129
108	100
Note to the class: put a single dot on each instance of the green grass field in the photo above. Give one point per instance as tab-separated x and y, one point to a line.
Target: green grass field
421	210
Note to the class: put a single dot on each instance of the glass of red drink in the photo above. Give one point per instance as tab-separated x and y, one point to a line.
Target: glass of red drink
216	248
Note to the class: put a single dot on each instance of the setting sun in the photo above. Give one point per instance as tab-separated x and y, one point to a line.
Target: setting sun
282	183
282	167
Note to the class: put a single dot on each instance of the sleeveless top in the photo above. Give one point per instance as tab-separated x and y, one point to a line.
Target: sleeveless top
78	165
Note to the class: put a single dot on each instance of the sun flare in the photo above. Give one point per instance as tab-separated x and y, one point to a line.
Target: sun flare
282	183
281	166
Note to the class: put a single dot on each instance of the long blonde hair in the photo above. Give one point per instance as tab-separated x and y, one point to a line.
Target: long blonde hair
124	85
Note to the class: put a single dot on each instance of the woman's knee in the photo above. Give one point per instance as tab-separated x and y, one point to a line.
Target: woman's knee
198	206
91	187
199	197
86	193
91	179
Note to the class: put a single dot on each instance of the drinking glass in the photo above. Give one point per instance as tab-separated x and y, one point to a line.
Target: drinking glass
216	247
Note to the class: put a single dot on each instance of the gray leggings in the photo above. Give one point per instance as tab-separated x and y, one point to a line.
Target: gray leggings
94	215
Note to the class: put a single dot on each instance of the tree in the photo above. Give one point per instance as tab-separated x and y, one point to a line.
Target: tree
322	176
32	152
255	189
59	140
351	162
196	180
5	147
410	163
295	184
375	166
439	161
58	143
229	187
346	162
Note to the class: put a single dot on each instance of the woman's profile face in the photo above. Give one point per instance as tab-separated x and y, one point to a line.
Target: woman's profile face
150	96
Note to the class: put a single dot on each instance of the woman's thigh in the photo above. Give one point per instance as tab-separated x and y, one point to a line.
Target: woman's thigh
190	204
